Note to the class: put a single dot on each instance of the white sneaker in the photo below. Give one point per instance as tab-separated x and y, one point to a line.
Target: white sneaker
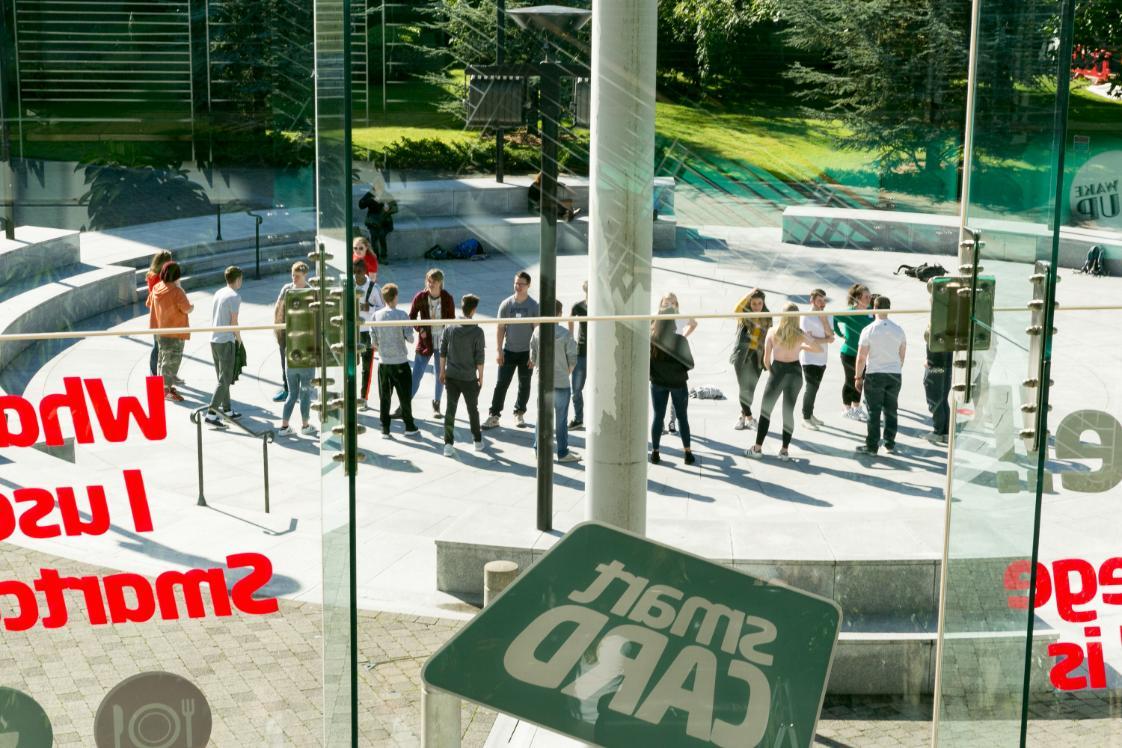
308	430
751	424
520	419
860	413
810	424
449	450
818	421
570	456
784	456
741	424
479	446
387	435
755	454
285	431
491	422
413	431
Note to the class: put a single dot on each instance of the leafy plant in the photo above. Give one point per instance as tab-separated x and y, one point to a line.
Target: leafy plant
122	193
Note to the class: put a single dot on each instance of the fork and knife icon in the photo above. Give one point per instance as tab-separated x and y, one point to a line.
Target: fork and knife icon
130	735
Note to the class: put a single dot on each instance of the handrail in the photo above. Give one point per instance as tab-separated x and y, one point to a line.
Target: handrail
267	436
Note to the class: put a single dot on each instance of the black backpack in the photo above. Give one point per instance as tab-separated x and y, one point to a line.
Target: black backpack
924	272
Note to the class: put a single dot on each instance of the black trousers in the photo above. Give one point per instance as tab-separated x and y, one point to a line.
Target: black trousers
395	378
850	394
512	362
937	388
882	393
469	388
367	365
812	374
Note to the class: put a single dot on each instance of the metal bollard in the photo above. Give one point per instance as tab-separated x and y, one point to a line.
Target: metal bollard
440	727
497	576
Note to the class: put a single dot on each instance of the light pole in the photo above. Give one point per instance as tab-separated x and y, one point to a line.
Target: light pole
553	21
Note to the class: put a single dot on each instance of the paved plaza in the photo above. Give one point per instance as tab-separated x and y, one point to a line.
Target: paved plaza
825	503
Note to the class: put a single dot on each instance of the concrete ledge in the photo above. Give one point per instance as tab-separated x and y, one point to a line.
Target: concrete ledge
483	196
899	231
412	237
36	250
56	306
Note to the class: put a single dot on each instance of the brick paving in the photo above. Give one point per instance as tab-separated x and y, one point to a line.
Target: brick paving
263	677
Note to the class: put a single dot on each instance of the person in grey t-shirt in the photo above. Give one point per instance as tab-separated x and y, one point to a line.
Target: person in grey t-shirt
224	345
513	343
393	370
461	371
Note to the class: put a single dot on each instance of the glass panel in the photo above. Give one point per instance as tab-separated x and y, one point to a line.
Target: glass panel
336	371
995	484
184	542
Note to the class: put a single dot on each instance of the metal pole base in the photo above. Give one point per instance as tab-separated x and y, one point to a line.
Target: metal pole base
441	723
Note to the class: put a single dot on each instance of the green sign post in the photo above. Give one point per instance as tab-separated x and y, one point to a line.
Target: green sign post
619	641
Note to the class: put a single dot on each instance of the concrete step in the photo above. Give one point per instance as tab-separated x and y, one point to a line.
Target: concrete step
276	257
36	251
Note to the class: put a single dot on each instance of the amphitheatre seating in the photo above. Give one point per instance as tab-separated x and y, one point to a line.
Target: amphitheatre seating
46	288
900	231
448	211
286	236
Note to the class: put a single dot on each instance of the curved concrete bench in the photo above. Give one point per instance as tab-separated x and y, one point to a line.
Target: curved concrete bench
900	231
58	305
36	250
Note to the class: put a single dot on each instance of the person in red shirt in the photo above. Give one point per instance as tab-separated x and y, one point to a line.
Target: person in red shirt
361	252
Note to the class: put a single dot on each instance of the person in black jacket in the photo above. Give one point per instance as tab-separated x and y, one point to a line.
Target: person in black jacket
671	362
379	222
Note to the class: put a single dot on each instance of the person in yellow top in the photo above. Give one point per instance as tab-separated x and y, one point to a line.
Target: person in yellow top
747	353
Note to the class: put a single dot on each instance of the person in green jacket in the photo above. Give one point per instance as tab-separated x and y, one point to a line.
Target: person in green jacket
849	328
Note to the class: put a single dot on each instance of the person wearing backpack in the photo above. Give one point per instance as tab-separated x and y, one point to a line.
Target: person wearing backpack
369	302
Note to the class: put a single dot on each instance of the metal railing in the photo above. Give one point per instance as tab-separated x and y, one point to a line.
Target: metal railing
267	436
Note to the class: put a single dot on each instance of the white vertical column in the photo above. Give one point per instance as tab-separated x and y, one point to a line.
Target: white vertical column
624	48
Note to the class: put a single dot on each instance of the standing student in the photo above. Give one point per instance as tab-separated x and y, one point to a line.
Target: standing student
671	361
378	222
299	274
684	327
747	353
580	371
564	361
152	277
513	343
880	362
782	347
360	251
462	354
224	345
937	389
430	303
849	327
369	302
170	305
393	369
820	329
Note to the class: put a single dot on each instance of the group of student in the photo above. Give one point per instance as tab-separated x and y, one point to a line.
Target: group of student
793	353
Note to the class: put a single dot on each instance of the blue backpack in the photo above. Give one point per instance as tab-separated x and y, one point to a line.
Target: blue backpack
466	249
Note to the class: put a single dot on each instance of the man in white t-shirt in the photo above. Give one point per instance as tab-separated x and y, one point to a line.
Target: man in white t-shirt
369	303
224	345
820	329
880	361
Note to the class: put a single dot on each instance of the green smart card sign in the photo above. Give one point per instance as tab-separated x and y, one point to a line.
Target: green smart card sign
620	641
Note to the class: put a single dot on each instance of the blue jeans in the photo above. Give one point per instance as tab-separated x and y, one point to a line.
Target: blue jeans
420	365
561	397
579	376
299	382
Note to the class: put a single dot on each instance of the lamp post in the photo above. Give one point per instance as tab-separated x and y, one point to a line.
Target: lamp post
554	21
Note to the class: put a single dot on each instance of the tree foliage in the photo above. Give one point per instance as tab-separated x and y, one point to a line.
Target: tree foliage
723	36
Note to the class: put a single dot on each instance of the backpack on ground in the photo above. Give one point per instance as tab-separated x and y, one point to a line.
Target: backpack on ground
466	249
924	272
1096	262
436	252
